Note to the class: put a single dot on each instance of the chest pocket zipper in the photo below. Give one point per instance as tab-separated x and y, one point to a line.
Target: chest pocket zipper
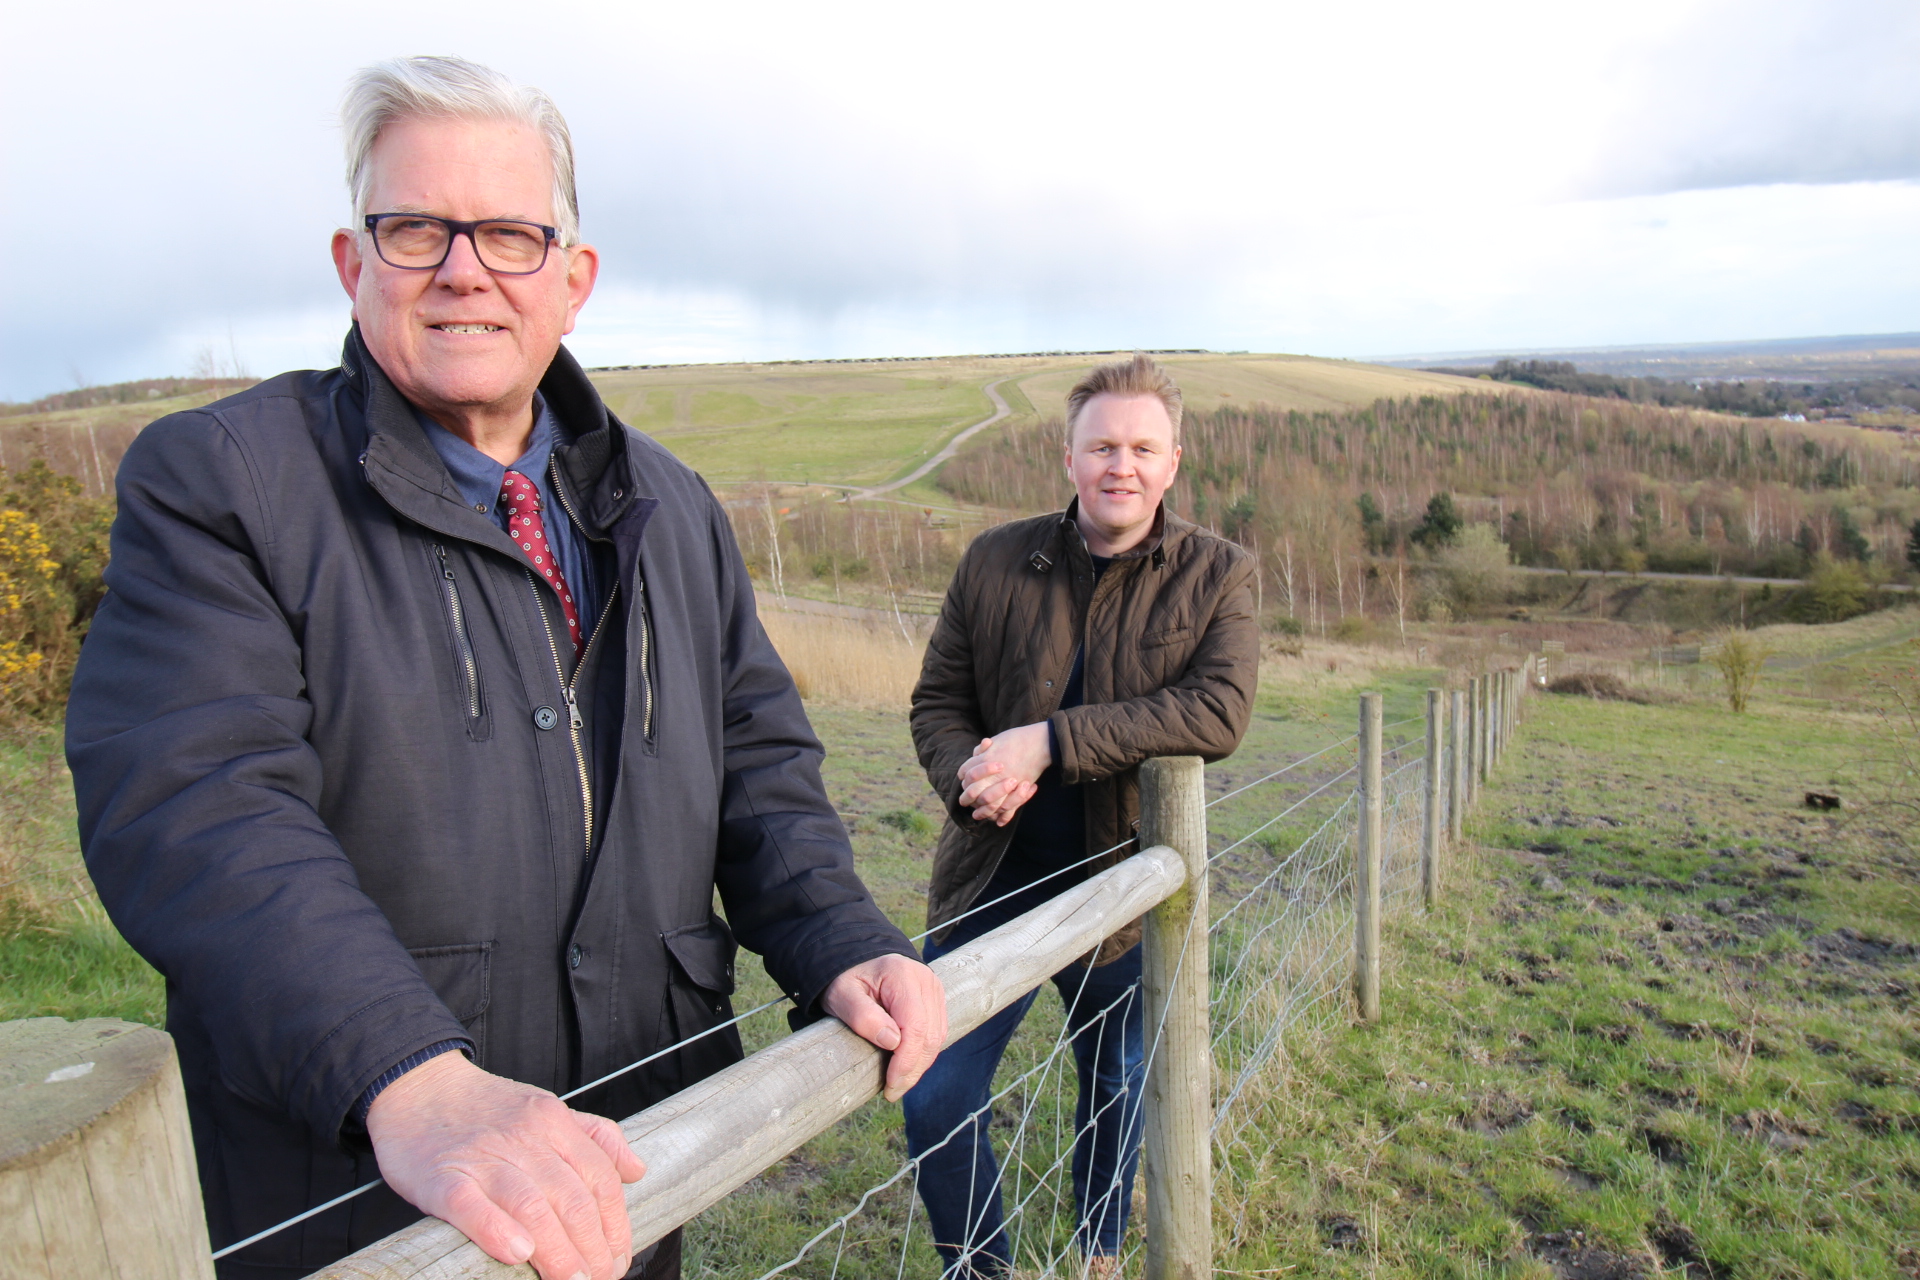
462	640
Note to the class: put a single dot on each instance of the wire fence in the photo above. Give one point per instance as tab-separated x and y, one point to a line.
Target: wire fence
1045	1156
1280	956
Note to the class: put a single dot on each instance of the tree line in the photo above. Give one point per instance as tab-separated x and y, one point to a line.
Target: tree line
1557	480
1743	397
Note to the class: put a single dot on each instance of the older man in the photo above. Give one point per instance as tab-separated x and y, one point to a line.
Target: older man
426	711
1071	648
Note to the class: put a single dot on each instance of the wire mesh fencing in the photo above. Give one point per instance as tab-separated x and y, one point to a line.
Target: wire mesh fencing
1037	1165
1279	952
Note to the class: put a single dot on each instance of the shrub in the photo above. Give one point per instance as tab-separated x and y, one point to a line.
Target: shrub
53	549
1835	591
1738	657
1478	568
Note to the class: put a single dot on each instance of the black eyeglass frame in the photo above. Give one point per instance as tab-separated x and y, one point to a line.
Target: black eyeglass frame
455	229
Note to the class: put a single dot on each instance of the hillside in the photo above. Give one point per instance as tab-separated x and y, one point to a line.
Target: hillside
832	422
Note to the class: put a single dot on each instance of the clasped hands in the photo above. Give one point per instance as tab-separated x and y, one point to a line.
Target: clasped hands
1003	772
529	1179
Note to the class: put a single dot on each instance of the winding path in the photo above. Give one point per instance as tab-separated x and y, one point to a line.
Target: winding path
1000	410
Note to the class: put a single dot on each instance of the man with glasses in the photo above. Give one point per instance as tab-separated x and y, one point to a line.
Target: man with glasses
427	710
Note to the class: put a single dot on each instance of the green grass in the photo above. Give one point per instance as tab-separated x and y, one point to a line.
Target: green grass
1635	1018
59	955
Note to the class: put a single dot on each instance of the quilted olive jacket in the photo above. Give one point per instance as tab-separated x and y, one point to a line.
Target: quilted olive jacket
1172	657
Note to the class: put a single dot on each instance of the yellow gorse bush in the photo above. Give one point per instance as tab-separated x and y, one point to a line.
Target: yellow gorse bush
28	578
53	546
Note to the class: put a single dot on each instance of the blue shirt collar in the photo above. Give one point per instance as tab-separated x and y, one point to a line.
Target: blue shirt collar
478	477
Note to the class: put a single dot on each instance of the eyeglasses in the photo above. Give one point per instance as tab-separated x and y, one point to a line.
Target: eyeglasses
421	242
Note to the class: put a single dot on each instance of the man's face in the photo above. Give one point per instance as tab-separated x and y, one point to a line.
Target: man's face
1121	460
460	339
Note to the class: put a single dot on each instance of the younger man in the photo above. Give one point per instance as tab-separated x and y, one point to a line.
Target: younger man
1071	647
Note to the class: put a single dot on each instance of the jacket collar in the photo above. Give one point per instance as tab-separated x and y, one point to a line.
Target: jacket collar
595	470
1168	529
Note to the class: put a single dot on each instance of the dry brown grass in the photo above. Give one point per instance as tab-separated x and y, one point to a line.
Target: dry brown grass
850	661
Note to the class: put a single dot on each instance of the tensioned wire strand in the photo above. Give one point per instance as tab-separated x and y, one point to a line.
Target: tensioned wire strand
737	1019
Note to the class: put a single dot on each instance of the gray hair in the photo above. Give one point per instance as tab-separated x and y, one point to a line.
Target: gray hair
452	89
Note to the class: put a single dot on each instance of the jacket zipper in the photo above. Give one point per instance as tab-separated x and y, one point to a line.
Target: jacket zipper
450	587
575	722
646	629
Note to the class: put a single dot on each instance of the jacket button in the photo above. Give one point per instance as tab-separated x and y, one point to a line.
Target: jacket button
573	956
545	717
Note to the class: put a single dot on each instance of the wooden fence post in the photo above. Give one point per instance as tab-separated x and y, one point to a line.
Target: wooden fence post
1435	796
1457	770
1498	692
1175	969
96	1161
1474	740
1484	758
1366	880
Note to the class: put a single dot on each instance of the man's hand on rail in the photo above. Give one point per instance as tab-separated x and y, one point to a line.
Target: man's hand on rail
896	1004
1000	775
525	1176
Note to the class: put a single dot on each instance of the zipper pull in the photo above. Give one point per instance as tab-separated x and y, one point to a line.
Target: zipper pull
445	572
573	708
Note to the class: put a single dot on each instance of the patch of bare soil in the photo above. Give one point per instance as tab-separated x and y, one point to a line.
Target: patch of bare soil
1595	684
1571	1257
1774	1129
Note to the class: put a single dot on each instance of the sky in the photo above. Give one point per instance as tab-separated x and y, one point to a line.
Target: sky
780	181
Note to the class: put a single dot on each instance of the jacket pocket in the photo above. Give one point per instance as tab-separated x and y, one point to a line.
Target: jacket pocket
465	660
462	977
704	954
1172	635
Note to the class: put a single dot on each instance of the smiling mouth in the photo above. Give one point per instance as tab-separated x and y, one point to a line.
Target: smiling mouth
466	328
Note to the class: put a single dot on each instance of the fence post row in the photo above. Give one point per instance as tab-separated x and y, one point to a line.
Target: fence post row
1435	797
1175	969
96	1159
1366	880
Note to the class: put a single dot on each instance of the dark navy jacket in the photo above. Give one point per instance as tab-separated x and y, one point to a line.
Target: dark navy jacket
334	783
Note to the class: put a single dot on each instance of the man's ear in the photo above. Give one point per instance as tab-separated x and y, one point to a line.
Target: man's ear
346	261
583	269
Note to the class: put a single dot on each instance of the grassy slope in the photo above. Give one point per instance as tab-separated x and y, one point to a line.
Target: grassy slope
1639	1033
859	423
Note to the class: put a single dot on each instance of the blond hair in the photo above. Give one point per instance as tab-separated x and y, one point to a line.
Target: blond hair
452	89
1139	376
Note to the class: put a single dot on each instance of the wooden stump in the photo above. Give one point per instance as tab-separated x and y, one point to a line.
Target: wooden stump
96	1162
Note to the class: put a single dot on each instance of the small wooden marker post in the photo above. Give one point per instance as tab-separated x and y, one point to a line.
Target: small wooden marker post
96	1161
1457	772
1430	830
1366	881
1179	1101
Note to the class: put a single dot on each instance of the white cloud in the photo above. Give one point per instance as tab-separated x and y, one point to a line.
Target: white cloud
783	181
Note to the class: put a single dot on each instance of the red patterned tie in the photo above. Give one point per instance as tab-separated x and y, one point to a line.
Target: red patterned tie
530	531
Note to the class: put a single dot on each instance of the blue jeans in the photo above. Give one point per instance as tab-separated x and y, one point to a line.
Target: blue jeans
958	1179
